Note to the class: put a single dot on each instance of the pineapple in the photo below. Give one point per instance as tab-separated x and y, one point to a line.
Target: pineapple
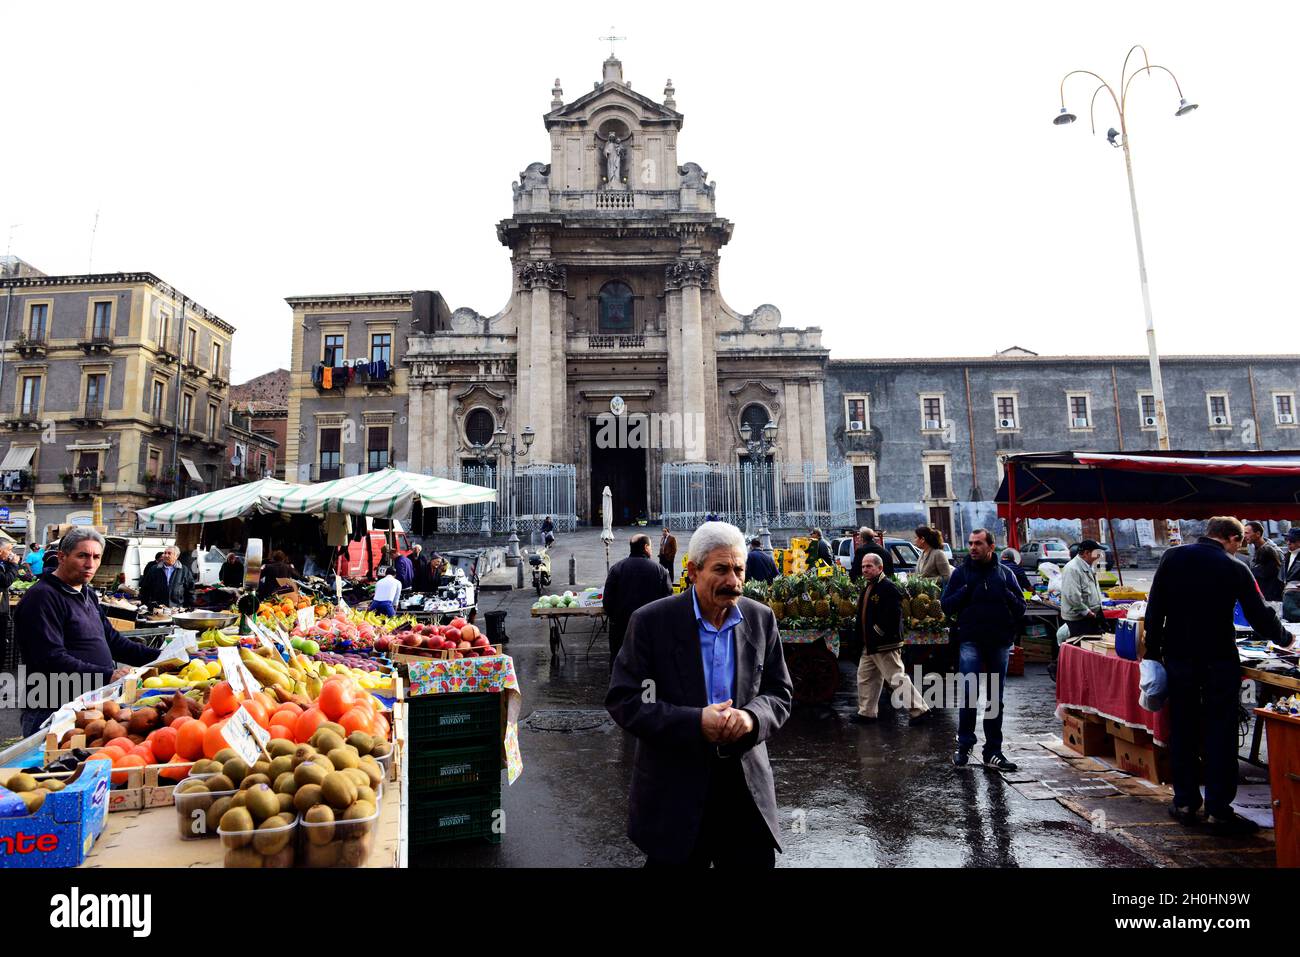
821	606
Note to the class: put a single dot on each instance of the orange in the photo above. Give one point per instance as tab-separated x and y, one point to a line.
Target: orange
356	719
177	769
379	727
285	731
163	743
307	723
258	710
222	700
336	698
126	761
213	740
289	710
123	744
143	751
208	716
268	702
189	740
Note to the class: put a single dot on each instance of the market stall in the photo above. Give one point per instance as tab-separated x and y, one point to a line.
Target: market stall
558	611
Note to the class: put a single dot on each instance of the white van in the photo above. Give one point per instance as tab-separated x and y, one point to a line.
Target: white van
127	556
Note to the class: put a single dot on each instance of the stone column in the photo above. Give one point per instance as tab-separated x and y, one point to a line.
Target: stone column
543	277
790	426
673	310
417	399
438	433
816	422
689	276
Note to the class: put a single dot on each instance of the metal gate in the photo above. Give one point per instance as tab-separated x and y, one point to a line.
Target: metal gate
789	495
540	490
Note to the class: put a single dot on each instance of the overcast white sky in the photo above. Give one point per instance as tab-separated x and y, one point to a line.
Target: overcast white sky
891	170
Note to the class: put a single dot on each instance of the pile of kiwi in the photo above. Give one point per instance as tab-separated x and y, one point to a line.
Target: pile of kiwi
331	783
31	791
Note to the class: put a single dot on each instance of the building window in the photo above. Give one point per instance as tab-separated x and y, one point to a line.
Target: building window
1008	412
333	351
330	447
212	421
756	417
216	357
95	393
1220	414
154	469
856	413
156	398
101	326
937	474
479	426
164	329
38	321
862	483
1147	410
931	413
376	448
187	408
1284	408
31	393
615	307
192	345
381	347
1079	408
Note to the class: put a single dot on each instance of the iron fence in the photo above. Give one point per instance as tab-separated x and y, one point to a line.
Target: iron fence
792	494
540	490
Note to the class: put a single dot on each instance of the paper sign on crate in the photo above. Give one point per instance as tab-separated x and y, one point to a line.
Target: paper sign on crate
280	641
245	735
178	649
236	672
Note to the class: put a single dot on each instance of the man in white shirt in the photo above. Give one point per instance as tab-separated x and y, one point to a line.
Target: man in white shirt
387	590
1080	593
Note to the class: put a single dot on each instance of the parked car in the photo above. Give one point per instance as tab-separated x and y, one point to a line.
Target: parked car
902	551
1052	550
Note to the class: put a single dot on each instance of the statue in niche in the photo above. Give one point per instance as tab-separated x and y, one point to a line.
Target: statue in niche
614	150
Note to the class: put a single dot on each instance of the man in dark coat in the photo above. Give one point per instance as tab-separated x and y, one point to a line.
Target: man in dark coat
818	550
633	582
701	683
1266	565
868	544
759	565
1291	576
1189	628
168	582
404	572
232	571
987	602
880	627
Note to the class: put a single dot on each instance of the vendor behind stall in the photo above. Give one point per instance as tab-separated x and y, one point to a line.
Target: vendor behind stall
232	571
169	582
387	591
63	632
278	567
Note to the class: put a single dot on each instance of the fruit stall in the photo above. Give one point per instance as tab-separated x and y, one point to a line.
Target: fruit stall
559	610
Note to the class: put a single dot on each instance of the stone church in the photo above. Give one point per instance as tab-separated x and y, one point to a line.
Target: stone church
615	345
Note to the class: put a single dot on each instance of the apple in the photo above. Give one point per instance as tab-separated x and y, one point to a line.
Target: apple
480	642
452	634
458	623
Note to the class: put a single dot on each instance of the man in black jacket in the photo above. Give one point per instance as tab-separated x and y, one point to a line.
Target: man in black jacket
1189	627
880	626
168	583
633	582
987	602
818	550
759	565
1266	564
1291	576
868	544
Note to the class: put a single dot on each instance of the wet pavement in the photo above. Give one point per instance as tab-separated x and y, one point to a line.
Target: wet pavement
849	795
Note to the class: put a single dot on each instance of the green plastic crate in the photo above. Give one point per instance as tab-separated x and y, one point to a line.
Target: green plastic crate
468	718
442	769
466	816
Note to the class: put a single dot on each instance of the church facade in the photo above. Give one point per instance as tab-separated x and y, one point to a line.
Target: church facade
615	346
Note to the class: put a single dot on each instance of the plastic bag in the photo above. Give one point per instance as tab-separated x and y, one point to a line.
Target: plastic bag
1153	685
1136	611
1051	574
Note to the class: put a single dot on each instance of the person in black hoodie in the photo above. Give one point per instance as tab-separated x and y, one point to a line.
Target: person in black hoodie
63	632
986	600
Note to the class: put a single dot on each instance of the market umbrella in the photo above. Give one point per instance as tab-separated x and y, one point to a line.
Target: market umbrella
32	538
607	517
382	494
216	506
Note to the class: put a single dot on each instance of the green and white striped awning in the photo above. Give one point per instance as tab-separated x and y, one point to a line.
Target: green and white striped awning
232	502
381	494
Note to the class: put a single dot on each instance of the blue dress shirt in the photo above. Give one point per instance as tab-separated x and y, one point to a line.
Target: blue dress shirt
718	650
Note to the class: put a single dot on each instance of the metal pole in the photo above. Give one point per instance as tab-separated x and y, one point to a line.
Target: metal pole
1157	386
5	336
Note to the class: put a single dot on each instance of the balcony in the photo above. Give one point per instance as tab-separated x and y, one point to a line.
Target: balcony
191	364
99	343
17	483
188	435
169	349
24	418
158	422
615	342
82	484
91	417
214	442
220	378
31	344
164	488
321	473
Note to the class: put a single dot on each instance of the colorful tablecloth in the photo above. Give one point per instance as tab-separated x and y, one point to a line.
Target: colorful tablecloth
1106	686
925	637
829	636
494	674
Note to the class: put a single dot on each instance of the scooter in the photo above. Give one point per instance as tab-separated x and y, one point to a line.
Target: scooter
541	565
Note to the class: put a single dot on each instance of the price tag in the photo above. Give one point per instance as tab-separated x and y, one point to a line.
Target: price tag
273	639
178	649
245	735
306	617
235	671
341	603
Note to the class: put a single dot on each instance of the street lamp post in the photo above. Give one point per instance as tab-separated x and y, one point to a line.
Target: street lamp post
513	450
1119	138
484	454
759	445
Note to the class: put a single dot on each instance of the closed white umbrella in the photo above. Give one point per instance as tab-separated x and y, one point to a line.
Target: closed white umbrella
32	537
607	518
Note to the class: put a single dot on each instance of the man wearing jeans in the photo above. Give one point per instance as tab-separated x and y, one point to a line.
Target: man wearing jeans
987	602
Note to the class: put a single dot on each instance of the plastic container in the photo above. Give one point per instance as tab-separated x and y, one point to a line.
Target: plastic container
264	847
192	818
338	843
447	768
472	815
473	717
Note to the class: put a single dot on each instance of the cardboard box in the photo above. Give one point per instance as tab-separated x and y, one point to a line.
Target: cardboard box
1143	761
1100	645
1122	732
62	831
1086	737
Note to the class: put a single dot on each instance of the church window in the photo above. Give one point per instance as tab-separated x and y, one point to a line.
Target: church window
479	426
615	307
756	417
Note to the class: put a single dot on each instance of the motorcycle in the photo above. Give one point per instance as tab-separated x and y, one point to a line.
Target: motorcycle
541	565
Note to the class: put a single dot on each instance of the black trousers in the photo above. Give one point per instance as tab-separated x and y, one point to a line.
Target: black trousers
1203	702
733	834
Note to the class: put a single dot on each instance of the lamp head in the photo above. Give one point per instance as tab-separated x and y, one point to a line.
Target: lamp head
529	435
746	433
500	437
769	431
1064	118
1184	107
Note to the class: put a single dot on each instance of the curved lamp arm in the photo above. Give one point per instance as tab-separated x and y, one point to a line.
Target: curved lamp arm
1124	77
1103	84
1153	66
1092	109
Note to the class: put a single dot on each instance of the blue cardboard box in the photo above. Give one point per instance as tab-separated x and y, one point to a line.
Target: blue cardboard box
65	828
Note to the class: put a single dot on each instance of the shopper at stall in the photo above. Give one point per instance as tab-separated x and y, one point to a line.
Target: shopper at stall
988	604
1011	562
232	571
668	552
35	560
9	565
404	571
1266	562
880	628
868	543
168	582
278	567
1291	577
759	565
1080	593
387	590
423	569
62	631
818	550
1189	628
702	791
934	561
631	584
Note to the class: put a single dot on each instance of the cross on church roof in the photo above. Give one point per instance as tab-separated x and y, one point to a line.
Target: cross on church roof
612	40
